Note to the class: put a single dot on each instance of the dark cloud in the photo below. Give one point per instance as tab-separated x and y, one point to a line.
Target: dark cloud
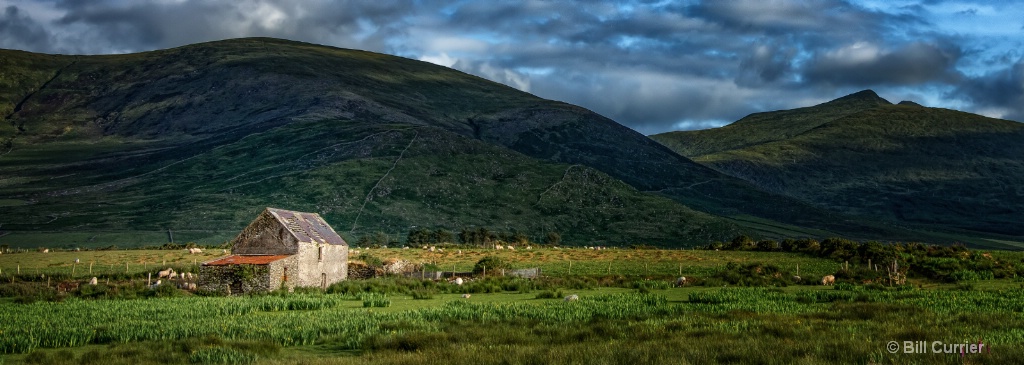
865	64
651	65
19	31
1000	92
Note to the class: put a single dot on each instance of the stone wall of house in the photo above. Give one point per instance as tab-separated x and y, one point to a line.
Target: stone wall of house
265	236
282	273
235	279
316	270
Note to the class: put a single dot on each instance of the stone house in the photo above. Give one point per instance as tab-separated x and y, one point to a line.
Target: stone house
279	249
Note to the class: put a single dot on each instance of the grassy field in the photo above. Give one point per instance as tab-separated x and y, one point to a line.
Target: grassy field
552	262
515	320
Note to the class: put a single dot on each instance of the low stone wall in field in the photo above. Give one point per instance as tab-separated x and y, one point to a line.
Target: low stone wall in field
234	279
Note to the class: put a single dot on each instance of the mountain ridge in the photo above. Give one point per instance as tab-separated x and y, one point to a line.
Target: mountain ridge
199	138
924	167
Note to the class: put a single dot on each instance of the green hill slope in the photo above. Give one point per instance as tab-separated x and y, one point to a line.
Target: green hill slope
767	127
198	139
929	168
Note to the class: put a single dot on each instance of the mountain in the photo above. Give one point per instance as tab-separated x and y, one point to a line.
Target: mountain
928	169
195	141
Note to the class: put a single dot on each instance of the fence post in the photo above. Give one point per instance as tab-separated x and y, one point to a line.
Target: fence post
126	267
570	267
90	267
73	266
485	271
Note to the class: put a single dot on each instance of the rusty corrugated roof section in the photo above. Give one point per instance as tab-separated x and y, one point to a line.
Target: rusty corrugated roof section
245	260
307	227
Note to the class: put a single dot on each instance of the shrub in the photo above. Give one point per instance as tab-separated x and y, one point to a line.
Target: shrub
375	300
964	275
549	294
422	294
492	264
844	286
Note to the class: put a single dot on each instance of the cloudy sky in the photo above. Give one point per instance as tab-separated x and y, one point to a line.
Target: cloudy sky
652	65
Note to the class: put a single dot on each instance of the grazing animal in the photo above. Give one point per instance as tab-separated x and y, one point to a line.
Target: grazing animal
572	298
511	248
529	247
465	296
165	273
432	249
796	278
191	286
499	247
828	280
681	281
46	250
76	261
158	282
174	275
458	281
93	281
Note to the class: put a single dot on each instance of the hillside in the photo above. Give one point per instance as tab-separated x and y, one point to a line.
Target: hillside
934	169
196	140
767	127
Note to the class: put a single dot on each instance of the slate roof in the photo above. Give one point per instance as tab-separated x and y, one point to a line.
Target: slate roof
307	227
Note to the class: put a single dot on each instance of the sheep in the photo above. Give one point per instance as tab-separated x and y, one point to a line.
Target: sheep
165	273
192	286
499	247
432	249
796	278
510	248
94	281
460	252
46	250
77	261
465	296
173	275
158	282
529	247
572	298
458	281
681	281
828	280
